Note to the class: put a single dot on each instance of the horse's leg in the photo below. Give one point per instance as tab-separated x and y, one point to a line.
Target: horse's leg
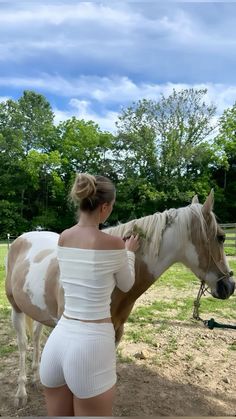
37	329
18	320
118	334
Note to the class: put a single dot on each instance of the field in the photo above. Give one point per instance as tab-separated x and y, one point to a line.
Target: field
167	363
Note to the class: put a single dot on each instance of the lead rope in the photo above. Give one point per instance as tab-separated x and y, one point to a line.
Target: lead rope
211	324
197	303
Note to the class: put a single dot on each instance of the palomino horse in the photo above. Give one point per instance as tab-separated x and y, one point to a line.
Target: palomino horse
189	235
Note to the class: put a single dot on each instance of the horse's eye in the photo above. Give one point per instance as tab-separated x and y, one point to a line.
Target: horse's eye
221	238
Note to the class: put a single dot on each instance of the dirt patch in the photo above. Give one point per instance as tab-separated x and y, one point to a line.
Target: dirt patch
187	370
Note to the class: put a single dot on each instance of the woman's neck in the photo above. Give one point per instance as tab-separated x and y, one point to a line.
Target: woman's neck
91	220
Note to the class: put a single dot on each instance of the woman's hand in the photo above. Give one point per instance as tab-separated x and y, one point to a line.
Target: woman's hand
132	244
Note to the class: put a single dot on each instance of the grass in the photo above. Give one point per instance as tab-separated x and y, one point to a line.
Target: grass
3	254
4	304
182	308
230	251
176	279
123	359
232	347
161	312
6	350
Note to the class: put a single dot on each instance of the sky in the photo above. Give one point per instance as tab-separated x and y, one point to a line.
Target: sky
92	59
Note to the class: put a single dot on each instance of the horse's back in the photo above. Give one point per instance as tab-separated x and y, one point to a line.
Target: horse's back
32	285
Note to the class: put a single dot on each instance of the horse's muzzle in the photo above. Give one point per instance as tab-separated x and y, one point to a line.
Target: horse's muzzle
225	288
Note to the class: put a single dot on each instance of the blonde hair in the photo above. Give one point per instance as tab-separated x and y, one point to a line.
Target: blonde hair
88	191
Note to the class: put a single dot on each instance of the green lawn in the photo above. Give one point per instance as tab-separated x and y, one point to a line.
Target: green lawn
230	251
179	286
4	304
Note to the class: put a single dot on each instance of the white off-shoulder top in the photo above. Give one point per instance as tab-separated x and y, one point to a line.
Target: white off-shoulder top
89	276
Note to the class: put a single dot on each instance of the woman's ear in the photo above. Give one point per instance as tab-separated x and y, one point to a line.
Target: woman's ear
103	207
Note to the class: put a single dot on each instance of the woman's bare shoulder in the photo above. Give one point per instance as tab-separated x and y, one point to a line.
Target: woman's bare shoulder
64	236
113	242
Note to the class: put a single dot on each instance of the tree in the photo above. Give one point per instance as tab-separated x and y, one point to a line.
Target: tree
26	130
225	172
82	145
162	142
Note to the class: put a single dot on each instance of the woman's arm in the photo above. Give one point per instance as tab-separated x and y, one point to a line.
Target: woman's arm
125	277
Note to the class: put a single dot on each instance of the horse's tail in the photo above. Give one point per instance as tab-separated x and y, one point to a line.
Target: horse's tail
29	326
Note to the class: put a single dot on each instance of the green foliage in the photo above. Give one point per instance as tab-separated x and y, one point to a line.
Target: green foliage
164	146
26	132
160	157
225	172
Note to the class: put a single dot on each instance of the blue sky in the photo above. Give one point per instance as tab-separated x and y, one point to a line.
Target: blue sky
90	59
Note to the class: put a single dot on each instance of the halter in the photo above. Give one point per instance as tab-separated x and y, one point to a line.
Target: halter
204	288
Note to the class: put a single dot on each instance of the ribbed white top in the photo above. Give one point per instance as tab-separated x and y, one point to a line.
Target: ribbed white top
89	276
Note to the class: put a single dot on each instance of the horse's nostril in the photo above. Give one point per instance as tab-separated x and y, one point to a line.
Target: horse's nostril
231	273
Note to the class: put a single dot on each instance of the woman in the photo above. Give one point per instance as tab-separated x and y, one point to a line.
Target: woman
78	368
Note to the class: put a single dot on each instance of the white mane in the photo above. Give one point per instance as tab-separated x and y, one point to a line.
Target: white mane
153	226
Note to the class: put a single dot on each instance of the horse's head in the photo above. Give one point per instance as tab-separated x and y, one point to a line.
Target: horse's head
207	258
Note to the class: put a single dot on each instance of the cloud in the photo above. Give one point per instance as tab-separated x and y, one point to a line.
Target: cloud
59	13
101	99
106	115
147	41
115	91
92	58
4	98
82	109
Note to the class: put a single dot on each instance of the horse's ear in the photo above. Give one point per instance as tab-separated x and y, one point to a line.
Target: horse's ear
195	200
209	203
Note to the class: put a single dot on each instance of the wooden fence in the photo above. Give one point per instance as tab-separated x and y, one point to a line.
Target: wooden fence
230	233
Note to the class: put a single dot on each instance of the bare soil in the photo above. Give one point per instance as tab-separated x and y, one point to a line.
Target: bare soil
187	370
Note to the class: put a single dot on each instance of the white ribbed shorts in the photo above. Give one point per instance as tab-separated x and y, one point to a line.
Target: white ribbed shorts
82	356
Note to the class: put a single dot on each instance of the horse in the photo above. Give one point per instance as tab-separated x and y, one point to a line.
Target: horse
189	235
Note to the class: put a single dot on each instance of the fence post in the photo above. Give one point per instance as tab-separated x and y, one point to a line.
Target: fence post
8	241
230	232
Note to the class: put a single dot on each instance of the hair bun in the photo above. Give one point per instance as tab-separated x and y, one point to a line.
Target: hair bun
84	187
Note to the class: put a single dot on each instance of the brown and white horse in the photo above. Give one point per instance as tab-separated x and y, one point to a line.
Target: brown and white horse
189	235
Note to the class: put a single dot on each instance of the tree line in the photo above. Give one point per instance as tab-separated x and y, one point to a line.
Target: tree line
163	152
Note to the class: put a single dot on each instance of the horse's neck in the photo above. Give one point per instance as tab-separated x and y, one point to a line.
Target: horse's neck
167	255
149	266
158	246
152	261
172	243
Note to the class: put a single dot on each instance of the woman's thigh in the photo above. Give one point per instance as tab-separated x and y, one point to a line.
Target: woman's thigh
100	405
59	401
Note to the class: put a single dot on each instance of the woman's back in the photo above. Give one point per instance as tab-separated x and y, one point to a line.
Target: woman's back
88	277
89	237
